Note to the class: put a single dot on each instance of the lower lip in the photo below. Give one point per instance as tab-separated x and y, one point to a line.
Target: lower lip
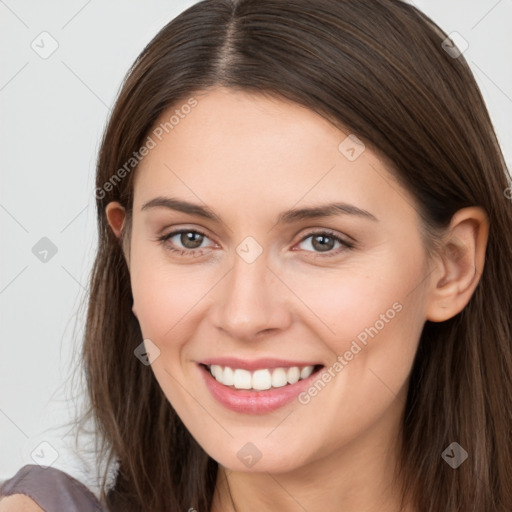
254	402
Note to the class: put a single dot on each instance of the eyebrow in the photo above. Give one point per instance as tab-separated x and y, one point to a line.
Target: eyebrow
287	217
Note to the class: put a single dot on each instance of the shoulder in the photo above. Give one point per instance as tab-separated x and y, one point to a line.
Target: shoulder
19	503
39	488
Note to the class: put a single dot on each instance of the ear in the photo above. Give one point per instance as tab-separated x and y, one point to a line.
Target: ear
460	264
115	216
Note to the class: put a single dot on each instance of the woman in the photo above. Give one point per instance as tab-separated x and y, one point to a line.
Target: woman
300	299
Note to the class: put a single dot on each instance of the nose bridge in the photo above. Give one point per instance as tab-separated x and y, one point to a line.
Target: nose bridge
251	301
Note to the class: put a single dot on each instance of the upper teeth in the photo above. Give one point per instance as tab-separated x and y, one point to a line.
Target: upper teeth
259	379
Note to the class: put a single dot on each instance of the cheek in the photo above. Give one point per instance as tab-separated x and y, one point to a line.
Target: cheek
166	297
377	324
160	300
358	299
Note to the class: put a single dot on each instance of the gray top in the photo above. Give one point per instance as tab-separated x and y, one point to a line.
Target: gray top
52	489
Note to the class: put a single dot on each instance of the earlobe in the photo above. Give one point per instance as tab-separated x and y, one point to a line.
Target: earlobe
461	263
115	214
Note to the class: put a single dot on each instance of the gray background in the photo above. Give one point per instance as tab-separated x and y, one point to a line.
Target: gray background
53	111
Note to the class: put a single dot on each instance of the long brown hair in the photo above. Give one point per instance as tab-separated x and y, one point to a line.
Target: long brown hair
379	68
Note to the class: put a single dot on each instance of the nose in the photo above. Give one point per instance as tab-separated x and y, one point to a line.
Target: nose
251	300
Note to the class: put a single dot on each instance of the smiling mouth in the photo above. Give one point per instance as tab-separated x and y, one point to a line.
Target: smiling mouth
262	379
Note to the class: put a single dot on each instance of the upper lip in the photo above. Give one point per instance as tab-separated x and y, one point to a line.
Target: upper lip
256	364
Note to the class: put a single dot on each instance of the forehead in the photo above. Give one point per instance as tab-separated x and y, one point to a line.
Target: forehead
248	150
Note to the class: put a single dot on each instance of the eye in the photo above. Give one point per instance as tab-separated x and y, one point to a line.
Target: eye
189	242
322	243
190	239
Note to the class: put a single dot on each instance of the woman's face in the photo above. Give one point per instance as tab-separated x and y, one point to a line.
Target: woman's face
261	282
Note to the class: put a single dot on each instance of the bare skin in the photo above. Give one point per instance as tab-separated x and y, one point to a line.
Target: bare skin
249	158
19	503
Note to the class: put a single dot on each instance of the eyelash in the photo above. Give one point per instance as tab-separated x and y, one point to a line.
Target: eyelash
194	252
